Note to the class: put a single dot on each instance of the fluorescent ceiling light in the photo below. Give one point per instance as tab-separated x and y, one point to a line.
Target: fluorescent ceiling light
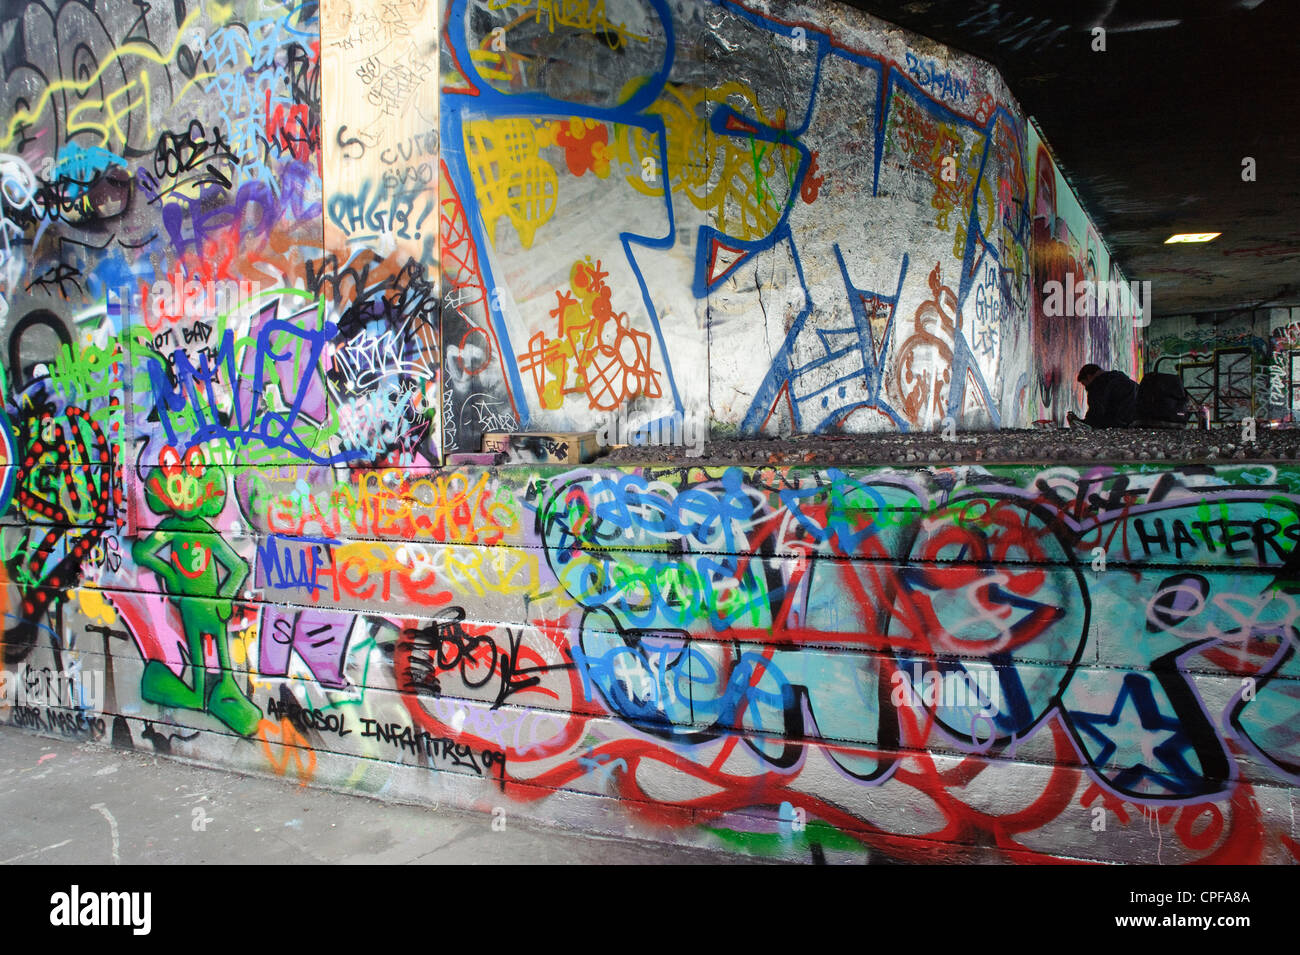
1193	237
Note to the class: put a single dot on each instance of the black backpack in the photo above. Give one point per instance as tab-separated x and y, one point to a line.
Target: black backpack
1162	397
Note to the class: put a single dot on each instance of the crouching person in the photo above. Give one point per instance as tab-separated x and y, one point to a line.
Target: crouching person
1112	399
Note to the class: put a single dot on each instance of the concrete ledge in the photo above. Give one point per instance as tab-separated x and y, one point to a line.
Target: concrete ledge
1026	663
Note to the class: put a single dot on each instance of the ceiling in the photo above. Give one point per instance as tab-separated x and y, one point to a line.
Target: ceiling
1152	132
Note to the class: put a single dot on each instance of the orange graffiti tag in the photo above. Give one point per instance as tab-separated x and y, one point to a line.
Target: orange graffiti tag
924	367
585	143
812	183
596	351
293	745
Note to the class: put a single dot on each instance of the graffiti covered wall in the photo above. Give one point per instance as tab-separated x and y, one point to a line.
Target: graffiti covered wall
1239	364
1067	253
237	352
1020	664
833	226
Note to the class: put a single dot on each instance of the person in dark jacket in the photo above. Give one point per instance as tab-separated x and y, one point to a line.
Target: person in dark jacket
1112	398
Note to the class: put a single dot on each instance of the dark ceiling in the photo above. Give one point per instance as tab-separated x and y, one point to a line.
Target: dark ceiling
1152	133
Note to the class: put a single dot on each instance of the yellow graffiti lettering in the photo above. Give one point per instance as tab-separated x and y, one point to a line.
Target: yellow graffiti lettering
743	182
28	117
510	177
578	15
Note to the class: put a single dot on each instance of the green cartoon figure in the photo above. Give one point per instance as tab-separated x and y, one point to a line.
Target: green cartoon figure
201	575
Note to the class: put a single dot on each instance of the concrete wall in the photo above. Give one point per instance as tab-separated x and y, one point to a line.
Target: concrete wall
958	664
836	225
231	372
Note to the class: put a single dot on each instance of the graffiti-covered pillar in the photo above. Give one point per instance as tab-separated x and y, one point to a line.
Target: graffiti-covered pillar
380	170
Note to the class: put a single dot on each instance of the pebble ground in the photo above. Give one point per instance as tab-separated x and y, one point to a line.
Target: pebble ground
1221	444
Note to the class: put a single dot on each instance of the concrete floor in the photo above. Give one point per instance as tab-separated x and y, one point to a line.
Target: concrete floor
68	803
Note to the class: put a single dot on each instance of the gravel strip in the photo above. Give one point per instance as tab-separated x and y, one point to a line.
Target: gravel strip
1223	444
